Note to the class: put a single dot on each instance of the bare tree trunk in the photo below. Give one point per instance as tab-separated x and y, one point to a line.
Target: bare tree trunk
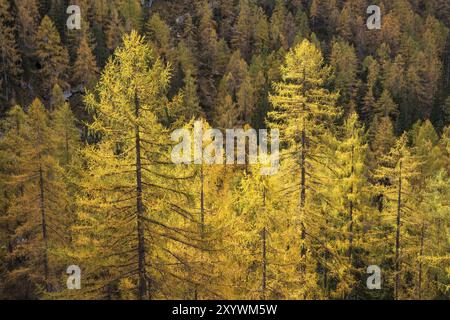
140	210
397	238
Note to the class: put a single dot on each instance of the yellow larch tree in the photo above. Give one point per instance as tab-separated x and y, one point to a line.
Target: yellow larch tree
304	110
133	200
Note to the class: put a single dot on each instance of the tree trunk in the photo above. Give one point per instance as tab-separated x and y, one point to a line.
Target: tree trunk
66	156
44	223
202	202
5	76
350	246
202	221
303	186
140	210
419	285
397	238
264	265
303	169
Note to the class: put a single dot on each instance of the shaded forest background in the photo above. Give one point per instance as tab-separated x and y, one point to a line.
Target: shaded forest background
86	175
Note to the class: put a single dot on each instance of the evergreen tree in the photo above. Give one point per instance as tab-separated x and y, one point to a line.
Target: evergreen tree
261	33
373	74
52	56
158	32
348	204
302	25
68	141
10	68
27	24
398	169
242	36
90	181
258	253
304	108
191	104
383	138
188	34
344	61
72	38
85	70
278	26
39	209
57	98
113	30
137	230
235	85
208	50
227	18
385	106
131	11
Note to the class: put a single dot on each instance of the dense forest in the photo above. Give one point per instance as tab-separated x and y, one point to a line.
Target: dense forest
86	177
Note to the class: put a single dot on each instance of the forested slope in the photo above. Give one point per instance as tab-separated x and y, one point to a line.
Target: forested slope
86	176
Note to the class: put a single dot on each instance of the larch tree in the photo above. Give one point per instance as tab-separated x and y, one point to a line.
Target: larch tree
255	224
208	47
236	85
188	33
258	74
114	30
345	64
345	27
261	42
39	210
52	56
242	36
202	263
278	26
397	173
11	61
382	138
346	199
68	143
385	106
131	205
228	17
372	69
73	38
191	104
85	70
131	10
12	128
302	25
429	225
431	246
394	77
28	20
158	32
304	110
